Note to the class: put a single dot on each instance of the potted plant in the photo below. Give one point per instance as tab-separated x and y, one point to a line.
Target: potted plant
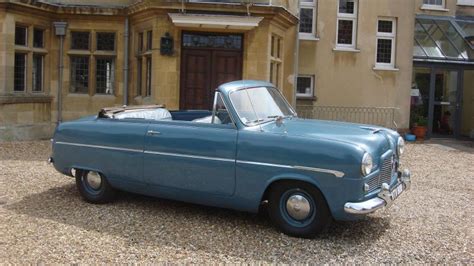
419	127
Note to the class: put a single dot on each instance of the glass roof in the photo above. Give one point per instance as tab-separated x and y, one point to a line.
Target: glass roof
443	39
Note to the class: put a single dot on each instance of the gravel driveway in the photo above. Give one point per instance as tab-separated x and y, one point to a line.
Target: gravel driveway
44	220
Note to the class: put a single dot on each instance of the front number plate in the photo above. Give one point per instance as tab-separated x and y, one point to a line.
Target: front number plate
396	191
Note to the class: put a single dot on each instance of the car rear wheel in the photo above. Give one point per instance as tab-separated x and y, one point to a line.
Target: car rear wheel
298	209
93	187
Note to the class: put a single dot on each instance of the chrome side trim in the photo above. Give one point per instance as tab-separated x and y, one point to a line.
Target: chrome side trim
265	164
190	156
298	167
304	168
98	146
321	170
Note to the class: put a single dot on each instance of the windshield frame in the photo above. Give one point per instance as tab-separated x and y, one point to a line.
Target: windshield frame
290	108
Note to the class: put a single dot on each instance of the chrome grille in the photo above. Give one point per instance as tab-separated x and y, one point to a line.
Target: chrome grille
385	175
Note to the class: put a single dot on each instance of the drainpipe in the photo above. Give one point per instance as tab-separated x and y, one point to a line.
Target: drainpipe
125	64
297	51
60	30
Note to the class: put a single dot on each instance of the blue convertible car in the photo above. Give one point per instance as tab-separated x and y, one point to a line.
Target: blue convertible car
250	149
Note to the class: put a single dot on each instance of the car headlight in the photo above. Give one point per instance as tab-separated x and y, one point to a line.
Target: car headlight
367	164
400	146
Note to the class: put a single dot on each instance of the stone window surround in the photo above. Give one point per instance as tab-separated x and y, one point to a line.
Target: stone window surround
30	50
93	54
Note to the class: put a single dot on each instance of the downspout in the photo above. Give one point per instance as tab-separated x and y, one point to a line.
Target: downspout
125	64
60	79
296	56
60	29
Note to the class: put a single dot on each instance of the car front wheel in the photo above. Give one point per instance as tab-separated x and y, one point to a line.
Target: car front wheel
93	187
298	209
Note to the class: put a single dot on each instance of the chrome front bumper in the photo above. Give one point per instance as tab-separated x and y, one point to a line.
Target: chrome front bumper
383	199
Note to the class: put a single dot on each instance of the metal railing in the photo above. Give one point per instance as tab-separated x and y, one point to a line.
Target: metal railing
380	116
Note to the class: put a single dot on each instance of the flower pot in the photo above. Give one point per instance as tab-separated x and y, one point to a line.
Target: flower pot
419	132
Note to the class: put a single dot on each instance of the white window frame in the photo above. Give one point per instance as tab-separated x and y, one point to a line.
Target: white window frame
351	17
431	6
312	6
386	36
305	95
465	3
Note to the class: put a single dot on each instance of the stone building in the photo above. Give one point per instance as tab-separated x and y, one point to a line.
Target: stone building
352	60
134	52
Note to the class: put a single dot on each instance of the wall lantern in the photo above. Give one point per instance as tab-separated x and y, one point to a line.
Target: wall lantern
166	44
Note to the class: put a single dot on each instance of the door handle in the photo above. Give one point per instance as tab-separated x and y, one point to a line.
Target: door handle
153	133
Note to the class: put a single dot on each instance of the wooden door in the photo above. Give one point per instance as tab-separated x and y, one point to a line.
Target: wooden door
195	79
202	71
226	67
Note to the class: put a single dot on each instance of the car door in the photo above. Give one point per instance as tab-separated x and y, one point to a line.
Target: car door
191	156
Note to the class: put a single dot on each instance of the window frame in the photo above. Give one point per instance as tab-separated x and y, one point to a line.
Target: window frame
26	35
149	40
97	40
305	95
42	56
148	76
386	36
43	31
113	72
88	74
89	46
348	17
434	6
276	61
25	72
314	7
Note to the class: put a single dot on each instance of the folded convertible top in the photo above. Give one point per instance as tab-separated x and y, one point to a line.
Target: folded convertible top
109	112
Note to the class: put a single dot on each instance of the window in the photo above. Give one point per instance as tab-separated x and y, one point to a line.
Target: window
79	74
19	80
30	59
385	54
106	41
276	51
91	72
140	41
38	65
433	3
465	3
305	86
347	24
104	76
148	76
308	18
139	76
38	38
21	35
80	40
144	63
149	40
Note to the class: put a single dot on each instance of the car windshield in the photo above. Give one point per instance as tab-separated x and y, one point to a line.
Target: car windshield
259	105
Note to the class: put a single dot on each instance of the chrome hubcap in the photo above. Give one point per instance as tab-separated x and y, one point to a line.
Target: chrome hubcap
94	180
298	207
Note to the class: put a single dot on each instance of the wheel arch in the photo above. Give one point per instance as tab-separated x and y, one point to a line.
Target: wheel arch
292	178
